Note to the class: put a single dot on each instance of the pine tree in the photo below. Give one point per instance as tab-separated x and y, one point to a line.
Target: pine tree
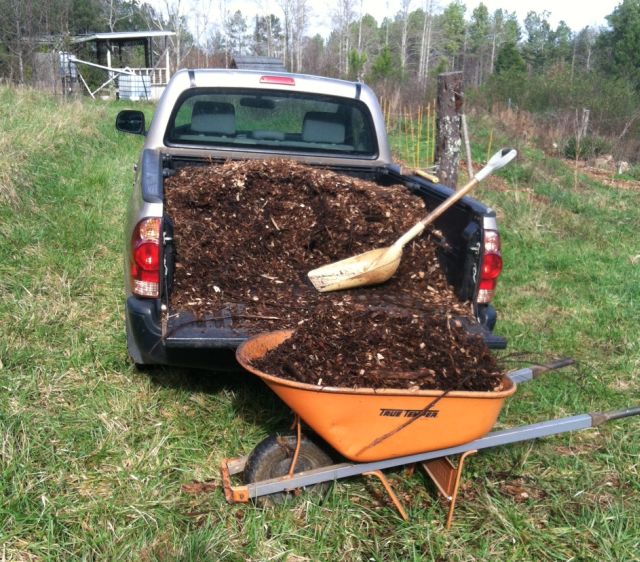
509	60
622	41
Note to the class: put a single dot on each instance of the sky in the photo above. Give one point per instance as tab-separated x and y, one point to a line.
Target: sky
577	14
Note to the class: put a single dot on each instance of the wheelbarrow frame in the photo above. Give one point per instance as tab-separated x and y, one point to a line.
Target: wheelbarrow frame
436	463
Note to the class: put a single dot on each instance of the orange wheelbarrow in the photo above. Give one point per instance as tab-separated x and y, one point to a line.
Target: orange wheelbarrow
374	430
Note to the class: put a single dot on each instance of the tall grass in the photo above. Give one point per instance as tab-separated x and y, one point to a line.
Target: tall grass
95	456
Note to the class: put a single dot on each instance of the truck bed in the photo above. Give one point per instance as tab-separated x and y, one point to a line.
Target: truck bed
224	327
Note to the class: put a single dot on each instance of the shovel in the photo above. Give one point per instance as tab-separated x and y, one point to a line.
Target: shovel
376	266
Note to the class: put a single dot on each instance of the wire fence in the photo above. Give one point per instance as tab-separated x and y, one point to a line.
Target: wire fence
412	133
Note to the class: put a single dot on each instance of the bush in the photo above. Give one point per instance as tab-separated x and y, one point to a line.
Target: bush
589	147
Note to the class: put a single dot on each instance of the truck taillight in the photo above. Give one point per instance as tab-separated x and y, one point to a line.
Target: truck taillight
491	266
144	261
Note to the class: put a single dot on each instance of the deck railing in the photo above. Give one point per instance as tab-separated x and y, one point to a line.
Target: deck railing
159	75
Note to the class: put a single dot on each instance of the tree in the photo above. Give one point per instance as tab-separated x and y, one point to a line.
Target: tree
504	29
536	49
622	41
119	13
479	36
562	43
176	21
236	30
300	20
85	16
343	17
384	68
453	29
368	43
356	64
415	28
296	15
267	36
315	57
583	47
404	18
17	26
425	42
509	60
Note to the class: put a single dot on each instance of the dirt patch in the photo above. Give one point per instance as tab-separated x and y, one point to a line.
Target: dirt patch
247	233
607	177
521	491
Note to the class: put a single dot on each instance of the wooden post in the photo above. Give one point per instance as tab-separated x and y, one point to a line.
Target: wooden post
448	123
419	143
467	146
147	52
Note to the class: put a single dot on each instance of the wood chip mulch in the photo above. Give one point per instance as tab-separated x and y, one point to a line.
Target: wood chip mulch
246	234
383	349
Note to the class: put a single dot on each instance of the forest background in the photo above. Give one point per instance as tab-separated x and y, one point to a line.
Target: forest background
553	73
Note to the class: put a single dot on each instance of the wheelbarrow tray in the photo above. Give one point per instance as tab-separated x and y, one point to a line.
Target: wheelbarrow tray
351	419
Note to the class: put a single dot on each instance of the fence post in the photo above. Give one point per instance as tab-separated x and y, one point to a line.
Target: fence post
448	123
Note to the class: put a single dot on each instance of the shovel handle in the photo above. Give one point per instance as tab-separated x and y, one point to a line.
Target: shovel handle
459	194
417	228
497	161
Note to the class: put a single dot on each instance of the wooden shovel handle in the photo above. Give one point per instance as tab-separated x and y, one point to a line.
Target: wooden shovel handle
433	215
417	229
497	161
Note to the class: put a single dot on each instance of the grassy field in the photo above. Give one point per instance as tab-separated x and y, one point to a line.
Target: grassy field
99	461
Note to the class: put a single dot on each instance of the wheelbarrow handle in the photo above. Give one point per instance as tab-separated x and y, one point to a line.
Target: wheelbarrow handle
558	364
528	373
602	417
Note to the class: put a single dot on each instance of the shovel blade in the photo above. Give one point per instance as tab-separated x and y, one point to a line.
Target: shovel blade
369	268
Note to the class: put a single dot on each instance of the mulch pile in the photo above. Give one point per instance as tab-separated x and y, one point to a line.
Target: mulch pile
382	349
246	234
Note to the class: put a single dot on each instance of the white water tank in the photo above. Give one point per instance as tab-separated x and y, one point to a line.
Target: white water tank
134	87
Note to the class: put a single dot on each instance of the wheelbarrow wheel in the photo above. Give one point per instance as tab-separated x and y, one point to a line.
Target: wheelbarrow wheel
272	457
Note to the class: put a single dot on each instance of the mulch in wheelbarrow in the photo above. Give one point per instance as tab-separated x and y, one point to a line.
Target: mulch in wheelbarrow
383	349
246	234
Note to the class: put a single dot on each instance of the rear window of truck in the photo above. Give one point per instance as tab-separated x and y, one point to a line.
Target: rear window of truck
273	120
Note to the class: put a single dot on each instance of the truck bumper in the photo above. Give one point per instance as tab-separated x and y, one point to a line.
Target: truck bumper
487	317
200	349
144	337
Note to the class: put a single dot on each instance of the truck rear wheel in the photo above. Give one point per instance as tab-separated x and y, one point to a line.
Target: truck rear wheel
272	457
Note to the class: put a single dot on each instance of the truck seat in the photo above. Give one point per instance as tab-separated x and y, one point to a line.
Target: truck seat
212	117
323	127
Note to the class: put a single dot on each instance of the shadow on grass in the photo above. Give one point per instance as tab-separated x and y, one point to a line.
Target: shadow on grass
250	398
225	372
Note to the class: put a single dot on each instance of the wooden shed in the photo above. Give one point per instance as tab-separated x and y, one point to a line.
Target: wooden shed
141	76
257	63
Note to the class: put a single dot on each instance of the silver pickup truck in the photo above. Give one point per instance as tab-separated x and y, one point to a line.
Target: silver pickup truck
213	116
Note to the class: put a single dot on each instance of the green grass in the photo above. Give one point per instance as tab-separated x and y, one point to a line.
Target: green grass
94	454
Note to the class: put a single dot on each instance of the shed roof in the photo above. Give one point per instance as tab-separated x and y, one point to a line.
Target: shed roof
122	36
256	63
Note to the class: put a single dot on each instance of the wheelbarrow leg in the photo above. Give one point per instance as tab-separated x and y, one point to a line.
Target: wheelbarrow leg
392	495
446	477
